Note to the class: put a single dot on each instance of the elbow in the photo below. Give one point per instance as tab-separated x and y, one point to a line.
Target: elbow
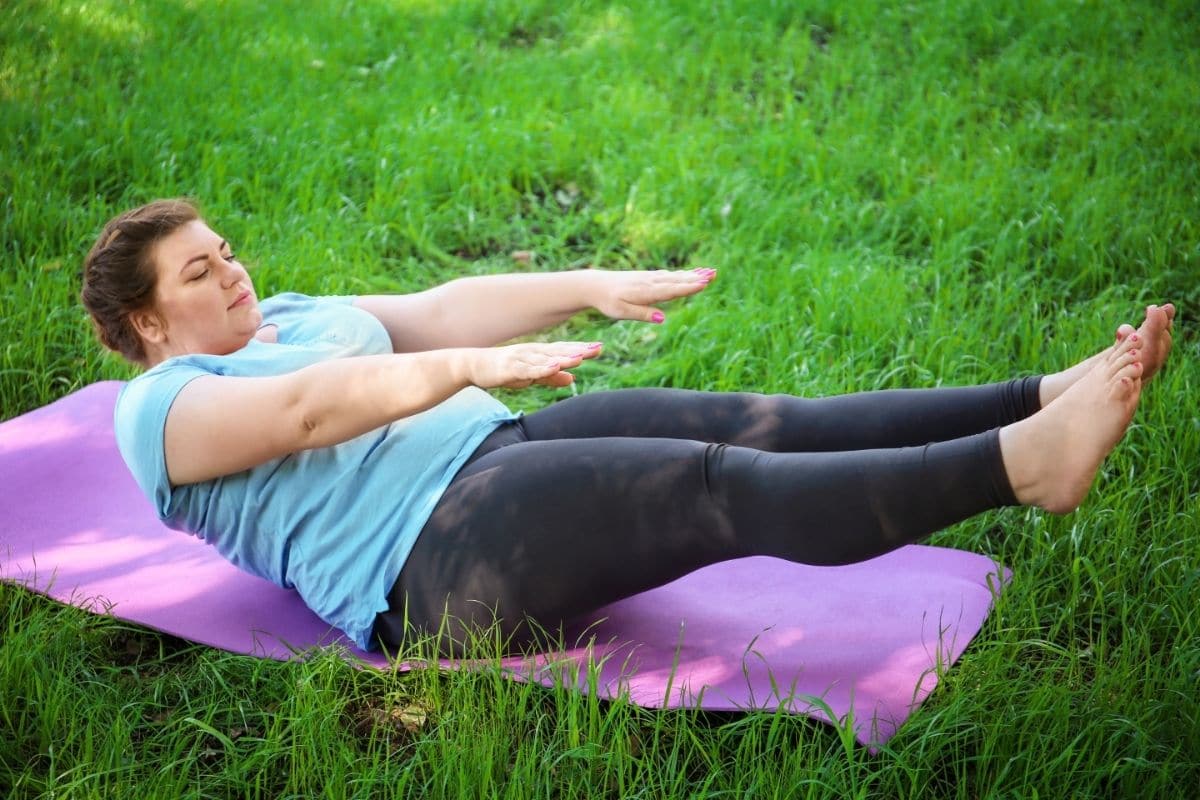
303	420
307	427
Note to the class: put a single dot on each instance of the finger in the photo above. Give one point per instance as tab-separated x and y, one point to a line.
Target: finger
575	359
571	350
682	284
696	273
662	294
687	289
558	380
568	362
685	277
536	369
541	371
643	313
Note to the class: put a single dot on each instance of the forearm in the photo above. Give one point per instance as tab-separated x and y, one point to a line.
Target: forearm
489	309
340	399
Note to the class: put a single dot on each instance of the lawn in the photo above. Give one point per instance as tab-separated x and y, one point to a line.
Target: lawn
921	194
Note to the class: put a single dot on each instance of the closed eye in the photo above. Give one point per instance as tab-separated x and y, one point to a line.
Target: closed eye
203	273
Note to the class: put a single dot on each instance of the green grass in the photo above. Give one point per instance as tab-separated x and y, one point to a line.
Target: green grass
895	195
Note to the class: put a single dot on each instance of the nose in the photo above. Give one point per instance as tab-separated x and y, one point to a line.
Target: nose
231	274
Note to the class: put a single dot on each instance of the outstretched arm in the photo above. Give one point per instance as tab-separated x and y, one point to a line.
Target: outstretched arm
220	425
489	309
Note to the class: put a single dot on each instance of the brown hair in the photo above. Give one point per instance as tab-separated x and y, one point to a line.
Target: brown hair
119	274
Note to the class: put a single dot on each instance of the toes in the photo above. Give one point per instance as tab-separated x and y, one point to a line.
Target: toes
1133	356
1128	382
1120	362
1131	370
1124	330
1130	342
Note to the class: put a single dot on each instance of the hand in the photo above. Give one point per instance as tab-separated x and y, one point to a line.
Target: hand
519	365
632	295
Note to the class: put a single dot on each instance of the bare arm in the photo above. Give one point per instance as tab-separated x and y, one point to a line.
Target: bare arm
222	425
489	309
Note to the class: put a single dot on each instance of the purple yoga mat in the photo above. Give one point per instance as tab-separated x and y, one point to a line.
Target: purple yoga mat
756	633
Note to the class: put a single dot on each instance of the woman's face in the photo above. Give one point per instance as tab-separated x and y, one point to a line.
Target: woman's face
204	298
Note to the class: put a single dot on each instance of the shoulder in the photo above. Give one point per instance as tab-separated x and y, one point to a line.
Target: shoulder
143	404
331	320
292	309
162	379
148	397
139	421
295	302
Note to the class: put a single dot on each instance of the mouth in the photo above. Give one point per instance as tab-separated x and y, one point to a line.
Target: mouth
242	299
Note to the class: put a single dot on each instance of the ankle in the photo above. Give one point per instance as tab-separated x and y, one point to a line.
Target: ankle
1018	460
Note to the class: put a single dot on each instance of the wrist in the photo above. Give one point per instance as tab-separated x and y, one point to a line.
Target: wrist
591	293
459	364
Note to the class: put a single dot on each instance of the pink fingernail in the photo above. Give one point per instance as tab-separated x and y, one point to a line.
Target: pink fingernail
657	317
593	345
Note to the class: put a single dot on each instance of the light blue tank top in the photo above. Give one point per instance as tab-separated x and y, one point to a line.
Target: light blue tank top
336	523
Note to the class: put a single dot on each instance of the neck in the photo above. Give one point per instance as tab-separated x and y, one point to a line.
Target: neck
160	352
155	355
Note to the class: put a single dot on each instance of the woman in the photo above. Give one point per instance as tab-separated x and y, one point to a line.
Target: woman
346	446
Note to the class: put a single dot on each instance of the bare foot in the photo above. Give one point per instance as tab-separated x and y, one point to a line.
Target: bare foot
1154	341
1155	332
1052	457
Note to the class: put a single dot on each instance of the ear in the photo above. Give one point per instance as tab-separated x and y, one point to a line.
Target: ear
149	325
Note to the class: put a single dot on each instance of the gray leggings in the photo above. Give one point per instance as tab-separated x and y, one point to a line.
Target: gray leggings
605	495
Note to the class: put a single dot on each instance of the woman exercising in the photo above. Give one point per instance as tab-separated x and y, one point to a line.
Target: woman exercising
346	446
